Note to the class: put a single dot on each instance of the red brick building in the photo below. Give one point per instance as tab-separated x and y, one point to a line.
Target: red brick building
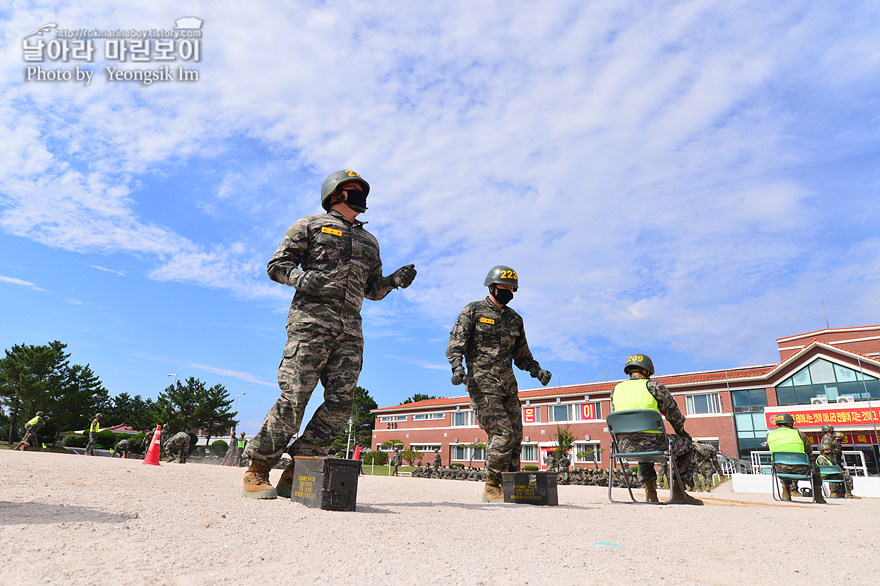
838	366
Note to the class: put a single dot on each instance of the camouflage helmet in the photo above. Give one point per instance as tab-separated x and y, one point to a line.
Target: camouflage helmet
839	436
640	361
827	428
242	434
783	419
337	178
502	275
98	416
39	413
826	446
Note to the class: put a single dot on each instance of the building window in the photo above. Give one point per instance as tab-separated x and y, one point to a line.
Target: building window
575	412
458	452
751	427
703	404
420	417
390	418
480	454
438	416
827	382
531	414
588	452
460	418
424	448
529	453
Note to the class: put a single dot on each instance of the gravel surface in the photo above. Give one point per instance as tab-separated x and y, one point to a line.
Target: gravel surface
73	519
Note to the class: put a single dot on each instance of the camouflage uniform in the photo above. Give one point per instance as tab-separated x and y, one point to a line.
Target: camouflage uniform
93	436
395	463
438	460
706	457
231	456
121	449
837	458
682	446
30	431
489	339
324	338
179	442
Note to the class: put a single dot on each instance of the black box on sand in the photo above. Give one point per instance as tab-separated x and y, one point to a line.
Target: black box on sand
326	483
530	488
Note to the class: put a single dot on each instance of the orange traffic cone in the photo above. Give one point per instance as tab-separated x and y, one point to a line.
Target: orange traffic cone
152	457
357	456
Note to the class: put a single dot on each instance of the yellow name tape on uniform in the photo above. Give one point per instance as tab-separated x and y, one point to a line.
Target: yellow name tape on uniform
333	231
486	320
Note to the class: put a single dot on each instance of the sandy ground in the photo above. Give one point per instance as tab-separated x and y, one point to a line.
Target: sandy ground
72	519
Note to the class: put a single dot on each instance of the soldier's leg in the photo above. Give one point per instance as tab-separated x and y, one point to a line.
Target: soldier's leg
514	416
298	375
339	378
184	452
493	418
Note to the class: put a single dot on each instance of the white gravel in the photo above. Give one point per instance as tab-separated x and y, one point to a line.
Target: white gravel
71	519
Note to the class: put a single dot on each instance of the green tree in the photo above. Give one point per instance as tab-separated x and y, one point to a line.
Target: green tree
418	397
410	456
474	446
363	422
213	411
27	376
564	441
132	411
176	406
80	397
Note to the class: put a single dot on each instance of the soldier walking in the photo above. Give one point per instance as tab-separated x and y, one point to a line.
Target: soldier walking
395	462
640	392
438	460
94	428
334	263
30	430
490	337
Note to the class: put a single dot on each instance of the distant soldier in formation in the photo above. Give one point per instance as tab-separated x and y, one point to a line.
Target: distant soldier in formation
640	392
240	458
550	461
179	442
94	428
230	458
706	461
837	456
490	338
438	461
30	431
121	449
395	462
828	435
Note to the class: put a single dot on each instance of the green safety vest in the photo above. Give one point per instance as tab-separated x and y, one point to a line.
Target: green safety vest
634	394
242	443
785	439
823	460
33	421
95	427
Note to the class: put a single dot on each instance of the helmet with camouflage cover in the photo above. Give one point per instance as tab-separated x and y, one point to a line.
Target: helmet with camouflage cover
502	275
39	413
639	361
337	178
827	428
839	436
783	419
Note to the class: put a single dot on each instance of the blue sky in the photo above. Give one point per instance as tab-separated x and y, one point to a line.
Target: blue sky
685	179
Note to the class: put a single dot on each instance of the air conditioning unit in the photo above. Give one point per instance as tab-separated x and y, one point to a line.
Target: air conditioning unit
818	400
846	399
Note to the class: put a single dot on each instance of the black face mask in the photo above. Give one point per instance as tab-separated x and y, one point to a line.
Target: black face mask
356	200
502	296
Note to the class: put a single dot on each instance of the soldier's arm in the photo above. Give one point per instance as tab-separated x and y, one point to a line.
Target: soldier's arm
808	447
459	336
284	266
522	356
668	406
377	287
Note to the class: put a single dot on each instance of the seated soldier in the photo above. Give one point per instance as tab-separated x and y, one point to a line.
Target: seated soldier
785	438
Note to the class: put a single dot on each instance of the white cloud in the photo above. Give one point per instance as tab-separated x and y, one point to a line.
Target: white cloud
105	269
247	377
642	168
22	282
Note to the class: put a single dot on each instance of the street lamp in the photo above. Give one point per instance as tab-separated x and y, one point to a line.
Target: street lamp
348	443
235	401
174	383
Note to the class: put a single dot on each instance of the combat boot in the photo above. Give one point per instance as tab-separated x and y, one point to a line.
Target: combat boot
850	495
493	494
819	499
284	488
256	483
786	493
651	491
681	497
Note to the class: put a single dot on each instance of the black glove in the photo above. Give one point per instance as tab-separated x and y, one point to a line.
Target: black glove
542	375
403	277
310	282
458	375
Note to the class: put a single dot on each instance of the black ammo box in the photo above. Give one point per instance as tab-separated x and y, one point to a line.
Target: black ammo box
326	483
530	488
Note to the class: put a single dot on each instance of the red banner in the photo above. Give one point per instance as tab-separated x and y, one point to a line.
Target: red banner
530	414
854	415
850	438
588	411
